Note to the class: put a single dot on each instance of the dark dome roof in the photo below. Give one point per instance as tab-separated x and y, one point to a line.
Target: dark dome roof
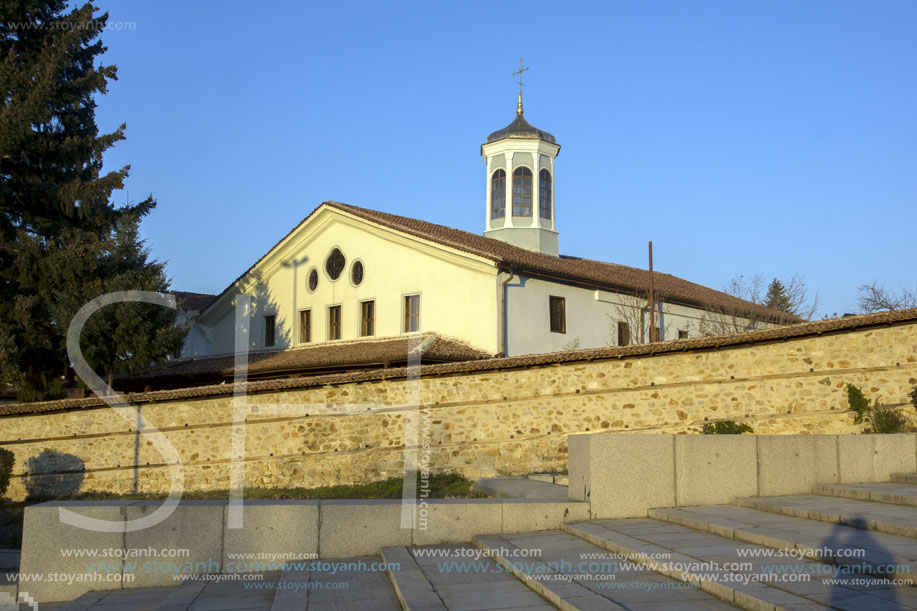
520	128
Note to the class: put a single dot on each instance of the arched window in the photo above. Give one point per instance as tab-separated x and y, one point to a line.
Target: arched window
522	192
544	194
498	195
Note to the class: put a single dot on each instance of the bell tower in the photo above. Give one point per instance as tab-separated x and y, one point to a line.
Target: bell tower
520	184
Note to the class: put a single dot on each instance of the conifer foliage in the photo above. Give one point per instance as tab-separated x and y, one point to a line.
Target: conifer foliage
62	240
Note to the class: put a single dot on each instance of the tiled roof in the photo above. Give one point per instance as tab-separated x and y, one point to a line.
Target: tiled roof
607	275
735	340
585	271
194	302
338	356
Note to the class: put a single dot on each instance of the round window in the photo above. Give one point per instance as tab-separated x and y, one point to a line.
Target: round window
335	264
313	279
356	273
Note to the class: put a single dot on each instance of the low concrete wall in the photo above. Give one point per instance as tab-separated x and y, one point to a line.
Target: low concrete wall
624	475
196	538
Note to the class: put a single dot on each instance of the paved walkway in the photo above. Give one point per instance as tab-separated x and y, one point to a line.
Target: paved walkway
520	488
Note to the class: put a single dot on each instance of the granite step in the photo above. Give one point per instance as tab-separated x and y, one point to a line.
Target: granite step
904	478
891	492
442	577
854	549
870	515
572	573
747	575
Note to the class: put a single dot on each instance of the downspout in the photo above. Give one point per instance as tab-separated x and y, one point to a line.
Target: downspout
504	332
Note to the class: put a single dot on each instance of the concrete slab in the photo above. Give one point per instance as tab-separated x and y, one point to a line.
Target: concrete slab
273	532
892	493
622	475
527	516
713	469
348	529
457	520
794	464
51	546
188	542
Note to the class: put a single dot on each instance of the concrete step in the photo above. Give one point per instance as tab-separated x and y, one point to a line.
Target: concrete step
292	589
748	575
181	597
572	573
904	478
881	517
9	559
893	493
441	577
520	488
867	552
551	478
9	586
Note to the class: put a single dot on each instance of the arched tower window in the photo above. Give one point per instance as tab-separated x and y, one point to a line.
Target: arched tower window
498	195
544	194
522	192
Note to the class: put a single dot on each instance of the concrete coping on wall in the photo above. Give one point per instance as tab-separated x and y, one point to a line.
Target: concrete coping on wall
623	475
196	538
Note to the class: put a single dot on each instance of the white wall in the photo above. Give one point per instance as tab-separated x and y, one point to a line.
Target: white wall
458	292
591	317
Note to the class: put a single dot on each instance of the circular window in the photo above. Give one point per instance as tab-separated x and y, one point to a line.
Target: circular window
335	264
356	273
313	279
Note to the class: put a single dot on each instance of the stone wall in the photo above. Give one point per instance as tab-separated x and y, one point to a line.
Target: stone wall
476	423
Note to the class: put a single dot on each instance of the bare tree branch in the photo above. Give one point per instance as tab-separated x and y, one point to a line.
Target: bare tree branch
876	298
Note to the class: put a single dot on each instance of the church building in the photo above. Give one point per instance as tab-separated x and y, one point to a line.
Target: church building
348	286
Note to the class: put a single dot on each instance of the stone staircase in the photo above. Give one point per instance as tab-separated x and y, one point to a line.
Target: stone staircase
832	549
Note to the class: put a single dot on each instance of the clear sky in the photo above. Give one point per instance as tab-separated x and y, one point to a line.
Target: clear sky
741	137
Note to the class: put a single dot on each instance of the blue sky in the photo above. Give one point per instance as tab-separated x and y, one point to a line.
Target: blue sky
741	137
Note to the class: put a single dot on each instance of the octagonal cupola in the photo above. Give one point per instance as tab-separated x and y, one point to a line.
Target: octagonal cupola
520	185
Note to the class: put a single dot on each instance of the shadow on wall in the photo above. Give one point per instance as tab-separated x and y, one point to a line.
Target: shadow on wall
264	305
53	475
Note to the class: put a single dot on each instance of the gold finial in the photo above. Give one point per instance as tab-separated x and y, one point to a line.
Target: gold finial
519	72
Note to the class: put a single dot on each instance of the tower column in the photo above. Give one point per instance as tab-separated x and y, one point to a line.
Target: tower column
488	212
536	189
553	190
508	222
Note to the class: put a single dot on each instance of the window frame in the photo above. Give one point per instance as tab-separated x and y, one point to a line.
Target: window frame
544	203
307	327
312	271
552	299
353	266
372	319
339	323
523	197
625	327
406	315
328	260
270	331
502	191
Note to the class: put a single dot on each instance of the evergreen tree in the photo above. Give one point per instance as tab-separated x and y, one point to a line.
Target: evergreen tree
59	231
777	297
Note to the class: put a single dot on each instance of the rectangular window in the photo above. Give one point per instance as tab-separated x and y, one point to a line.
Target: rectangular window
269	323
305	326
334	322
558	308
623	334
411	313
367	318
682	335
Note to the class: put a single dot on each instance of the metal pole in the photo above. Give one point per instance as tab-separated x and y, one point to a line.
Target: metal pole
652	298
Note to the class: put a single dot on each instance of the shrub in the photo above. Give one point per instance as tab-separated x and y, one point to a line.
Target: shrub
726	427
6	468
913	396
881	418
